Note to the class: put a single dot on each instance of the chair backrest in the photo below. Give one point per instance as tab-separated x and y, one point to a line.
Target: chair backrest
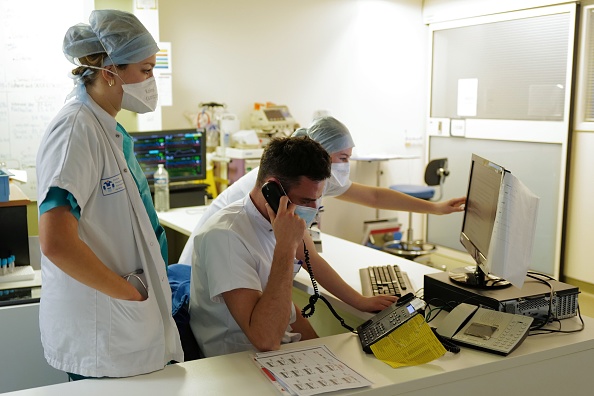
435	174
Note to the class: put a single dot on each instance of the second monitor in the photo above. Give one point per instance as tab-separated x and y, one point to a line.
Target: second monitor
498	227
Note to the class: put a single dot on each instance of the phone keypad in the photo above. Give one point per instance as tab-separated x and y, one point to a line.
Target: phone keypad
384	323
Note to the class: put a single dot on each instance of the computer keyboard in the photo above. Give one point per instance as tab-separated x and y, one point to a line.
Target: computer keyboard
385	279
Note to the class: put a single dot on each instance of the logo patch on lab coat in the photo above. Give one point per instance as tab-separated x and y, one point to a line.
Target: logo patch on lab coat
112	185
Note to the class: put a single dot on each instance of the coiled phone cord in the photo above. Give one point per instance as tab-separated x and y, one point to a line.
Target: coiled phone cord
310	308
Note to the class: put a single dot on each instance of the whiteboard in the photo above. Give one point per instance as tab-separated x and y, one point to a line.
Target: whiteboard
33	74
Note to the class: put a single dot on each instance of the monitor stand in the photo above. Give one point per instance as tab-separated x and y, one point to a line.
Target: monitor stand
474	276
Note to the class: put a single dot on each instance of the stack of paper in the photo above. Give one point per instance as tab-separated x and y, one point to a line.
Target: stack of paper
308	371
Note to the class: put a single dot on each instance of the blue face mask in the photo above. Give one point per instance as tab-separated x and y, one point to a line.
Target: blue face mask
306	213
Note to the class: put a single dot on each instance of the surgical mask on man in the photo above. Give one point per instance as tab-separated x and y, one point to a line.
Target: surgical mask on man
140	97
306	213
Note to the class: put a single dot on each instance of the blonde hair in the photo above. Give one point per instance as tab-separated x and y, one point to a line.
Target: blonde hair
90	66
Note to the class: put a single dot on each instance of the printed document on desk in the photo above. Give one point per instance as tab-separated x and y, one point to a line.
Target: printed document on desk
308	371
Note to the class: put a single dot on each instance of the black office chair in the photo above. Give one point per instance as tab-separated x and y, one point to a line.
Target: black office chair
435	174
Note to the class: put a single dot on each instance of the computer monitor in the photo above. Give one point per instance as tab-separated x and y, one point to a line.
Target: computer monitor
485	182
182	151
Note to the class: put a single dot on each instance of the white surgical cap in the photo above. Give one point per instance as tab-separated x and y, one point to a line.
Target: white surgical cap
119	33
332	134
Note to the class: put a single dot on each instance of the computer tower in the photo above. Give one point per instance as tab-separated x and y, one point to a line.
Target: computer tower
532	299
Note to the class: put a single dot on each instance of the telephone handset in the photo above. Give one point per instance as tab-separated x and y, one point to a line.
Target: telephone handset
273	192
485	329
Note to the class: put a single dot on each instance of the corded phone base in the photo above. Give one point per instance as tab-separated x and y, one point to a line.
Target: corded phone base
389	320
485	329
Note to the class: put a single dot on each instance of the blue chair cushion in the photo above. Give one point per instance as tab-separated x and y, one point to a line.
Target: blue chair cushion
179	280
422	192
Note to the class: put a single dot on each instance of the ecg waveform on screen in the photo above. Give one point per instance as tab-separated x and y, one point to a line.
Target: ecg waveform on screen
182	152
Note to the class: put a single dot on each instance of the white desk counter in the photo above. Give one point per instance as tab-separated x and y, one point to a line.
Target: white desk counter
182	220
542	365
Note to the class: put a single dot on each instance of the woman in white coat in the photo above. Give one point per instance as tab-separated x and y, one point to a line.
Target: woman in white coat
106	306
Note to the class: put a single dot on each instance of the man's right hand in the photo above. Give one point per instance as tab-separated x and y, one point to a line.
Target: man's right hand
288	227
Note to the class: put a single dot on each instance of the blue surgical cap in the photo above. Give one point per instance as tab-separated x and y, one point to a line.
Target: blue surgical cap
120	34
332	134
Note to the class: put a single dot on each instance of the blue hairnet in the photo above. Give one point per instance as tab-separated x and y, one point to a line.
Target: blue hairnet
332	134
119	33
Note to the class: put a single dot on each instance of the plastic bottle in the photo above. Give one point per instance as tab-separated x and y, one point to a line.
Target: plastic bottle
161	189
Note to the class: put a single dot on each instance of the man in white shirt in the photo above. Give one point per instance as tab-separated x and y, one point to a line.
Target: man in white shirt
245	258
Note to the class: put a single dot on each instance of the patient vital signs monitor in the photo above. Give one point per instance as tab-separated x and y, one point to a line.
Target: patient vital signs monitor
183	152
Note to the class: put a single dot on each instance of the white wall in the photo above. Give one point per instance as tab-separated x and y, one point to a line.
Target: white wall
364	60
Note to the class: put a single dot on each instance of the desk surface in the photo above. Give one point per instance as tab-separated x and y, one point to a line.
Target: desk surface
551	362
543	364
182	220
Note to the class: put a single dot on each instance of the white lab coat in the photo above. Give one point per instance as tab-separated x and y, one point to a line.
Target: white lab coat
84	331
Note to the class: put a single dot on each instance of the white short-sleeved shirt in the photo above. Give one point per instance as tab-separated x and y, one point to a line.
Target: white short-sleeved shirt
234	192
234	250
84	331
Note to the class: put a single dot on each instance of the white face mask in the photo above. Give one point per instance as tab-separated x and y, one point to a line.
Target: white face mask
340	173
140	97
